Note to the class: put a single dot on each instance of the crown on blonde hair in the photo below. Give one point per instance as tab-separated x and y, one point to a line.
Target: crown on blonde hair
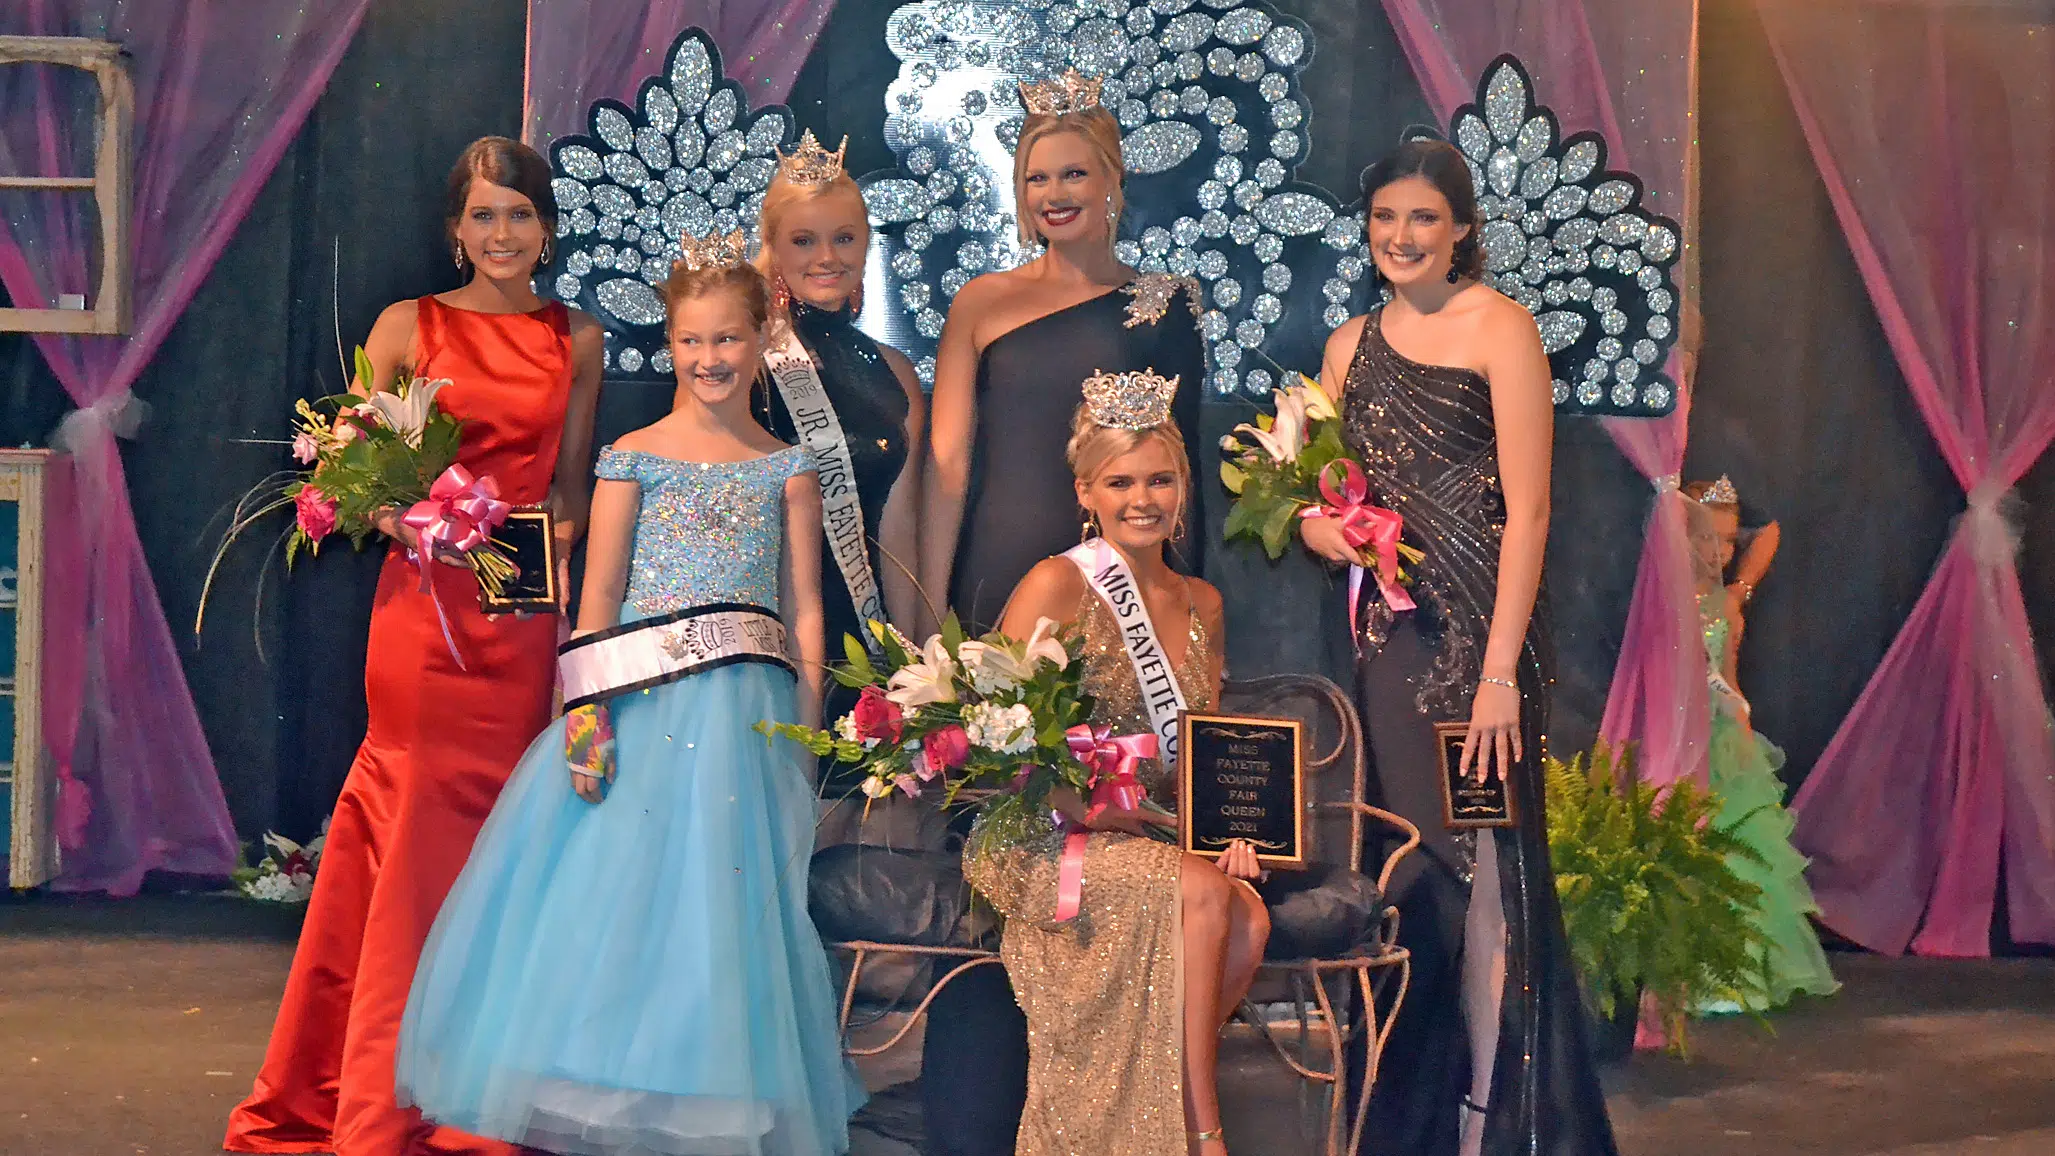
810	164
1134	400
1071	92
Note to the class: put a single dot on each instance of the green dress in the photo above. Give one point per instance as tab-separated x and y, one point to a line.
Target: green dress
1743	767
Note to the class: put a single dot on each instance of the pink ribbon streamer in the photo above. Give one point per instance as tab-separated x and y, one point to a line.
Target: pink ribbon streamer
1113	784
1363	524
459	515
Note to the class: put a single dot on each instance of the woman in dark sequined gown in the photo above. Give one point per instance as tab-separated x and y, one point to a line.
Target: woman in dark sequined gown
998	497
1489	1052
816	234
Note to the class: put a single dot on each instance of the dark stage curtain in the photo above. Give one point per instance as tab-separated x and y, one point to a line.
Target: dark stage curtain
1798	397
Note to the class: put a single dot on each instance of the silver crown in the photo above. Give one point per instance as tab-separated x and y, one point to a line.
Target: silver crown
810	164
1071	92
1720	493
714	252
1135	400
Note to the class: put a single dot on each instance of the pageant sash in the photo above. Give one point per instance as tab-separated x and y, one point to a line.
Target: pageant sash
1107	574
820	431
639	655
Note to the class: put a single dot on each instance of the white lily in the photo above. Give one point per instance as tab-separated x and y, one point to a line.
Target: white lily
997	668
933	679
406	412
1287	434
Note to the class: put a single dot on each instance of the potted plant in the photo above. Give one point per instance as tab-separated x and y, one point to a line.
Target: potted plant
1649	901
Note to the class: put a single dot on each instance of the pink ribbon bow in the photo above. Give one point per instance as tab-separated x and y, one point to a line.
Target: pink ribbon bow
458	515
1363	524
1114	784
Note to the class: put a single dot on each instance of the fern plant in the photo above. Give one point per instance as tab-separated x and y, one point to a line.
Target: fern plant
1649	900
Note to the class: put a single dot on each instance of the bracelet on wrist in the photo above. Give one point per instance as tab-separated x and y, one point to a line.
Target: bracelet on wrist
1508	683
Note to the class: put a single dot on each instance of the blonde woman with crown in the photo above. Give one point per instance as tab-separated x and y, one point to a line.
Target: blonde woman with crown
855	403
997	495
626	964
997	500
1126	994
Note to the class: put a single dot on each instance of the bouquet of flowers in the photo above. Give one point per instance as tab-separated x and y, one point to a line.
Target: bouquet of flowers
1299	467
393	449
286	872
1001	718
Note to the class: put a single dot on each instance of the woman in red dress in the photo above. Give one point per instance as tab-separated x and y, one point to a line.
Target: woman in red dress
445	729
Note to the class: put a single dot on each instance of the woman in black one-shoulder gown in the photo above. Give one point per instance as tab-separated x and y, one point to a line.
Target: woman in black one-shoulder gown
1460	451
999	496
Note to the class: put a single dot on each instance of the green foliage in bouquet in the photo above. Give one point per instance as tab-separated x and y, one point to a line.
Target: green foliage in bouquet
372	454
983	721
1269	493
1649	900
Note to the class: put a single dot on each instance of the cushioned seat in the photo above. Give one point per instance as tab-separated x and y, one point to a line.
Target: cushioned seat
883	895
1324	912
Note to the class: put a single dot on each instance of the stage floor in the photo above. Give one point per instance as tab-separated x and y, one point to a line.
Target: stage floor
131	1028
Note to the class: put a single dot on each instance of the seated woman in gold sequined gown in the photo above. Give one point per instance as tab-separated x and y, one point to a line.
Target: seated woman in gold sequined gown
1126	997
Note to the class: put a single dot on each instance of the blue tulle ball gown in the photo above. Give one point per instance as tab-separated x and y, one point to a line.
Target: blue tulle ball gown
641	975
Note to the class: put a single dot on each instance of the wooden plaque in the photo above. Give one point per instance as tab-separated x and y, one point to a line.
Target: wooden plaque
1465	802
529	539
1243	778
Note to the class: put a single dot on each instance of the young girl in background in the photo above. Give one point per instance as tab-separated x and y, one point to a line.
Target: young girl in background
1742	765
626	963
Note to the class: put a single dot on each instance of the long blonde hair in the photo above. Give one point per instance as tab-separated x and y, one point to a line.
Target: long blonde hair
1099	129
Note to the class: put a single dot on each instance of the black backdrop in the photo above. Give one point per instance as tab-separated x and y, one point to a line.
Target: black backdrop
1798	397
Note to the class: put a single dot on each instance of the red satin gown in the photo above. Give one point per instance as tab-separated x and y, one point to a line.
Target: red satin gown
441	742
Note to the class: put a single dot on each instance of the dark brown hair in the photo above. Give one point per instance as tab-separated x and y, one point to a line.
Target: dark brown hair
1443	166
508	164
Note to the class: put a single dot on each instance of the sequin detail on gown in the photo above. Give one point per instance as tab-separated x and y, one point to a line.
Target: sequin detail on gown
1428	443
1102	993
641	975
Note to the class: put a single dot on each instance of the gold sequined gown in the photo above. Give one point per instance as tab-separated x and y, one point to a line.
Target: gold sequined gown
1103	993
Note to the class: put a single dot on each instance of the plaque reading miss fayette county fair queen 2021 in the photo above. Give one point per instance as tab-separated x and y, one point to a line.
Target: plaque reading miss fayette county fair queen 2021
1243	778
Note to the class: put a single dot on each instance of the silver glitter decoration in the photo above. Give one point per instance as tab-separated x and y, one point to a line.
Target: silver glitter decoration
1159	147
645	177
1570	242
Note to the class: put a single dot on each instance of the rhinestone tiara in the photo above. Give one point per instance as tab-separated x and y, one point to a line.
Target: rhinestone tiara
713	252
1720	493
1071	92
810	164
1135	400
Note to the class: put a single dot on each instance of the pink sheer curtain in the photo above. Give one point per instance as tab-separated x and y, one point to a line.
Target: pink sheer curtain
582	50
1931	124
1625	69
221	89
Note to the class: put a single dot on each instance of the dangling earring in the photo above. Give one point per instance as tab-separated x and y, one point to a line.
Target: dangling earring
781	294
1453	276
856	300
548	250
1112	223
1090	529
457	254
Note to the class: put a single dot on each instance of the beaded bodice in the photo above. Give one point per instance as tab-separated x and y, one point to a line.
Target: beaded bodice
1109	677
1428	445
706	531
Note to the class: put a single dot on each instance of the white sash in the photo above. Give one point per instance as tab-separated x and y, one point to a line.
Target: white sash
820	431
652	652
1107	574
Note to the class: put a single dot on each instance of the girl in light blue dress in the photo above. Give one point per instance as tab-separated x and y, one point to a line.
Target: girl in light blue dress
626	964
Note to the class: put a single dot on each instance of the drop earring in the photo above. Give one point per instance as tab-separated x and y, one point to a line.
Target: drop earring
457	254
781	294
548	251
1090	529
856	300
1453	276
